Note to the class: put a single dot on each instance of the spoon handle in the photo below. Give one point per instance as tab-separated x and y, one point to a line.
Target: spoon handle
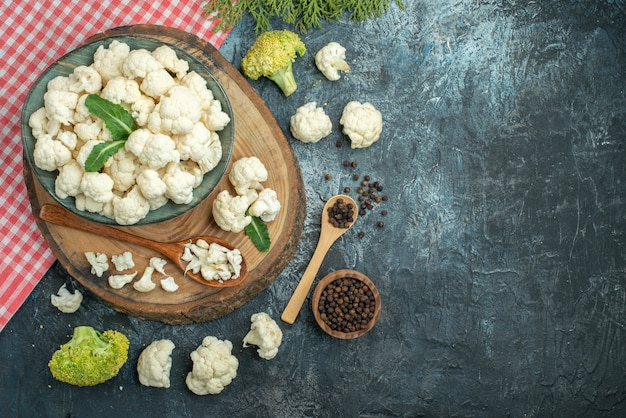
59	216
294	305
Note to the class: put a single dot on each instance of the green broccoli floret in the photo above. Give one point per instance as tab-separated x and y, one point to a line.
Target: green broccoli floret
271	55
90	357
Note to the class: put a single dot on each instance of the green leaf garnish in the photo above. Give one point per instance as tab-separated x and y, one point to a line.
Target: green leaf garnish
259	234
101	153
118	120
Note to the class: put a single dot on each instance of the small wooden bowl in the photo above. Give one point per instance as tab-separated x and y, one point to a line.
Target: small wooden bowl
321	286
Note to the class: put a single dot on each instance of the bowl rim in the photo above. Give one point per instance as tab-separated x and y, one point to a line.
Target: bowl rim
332	276
170	210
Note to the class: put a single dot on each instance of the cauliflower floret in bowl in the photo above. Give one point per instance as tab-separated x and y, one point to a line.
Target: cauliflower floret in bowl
171	159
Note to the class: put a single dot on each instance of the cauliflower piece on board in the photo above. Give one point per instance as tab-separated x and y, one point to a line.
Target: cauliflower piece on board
155	363
247	173
214	367
145	283
331	59
99	262
266	206
117	281
362	122
68	182
66	301
50	154
130	209
230	212
158	264
265	334
108	60
177	112
167	57
123	261
310	123
150	184
169	284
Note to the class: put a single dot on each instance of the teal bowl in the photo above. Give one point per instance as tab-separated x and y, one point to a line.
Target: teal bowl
83	55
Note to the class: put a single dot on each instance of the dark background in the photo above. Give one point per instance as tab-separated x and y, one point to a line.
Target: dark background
501	264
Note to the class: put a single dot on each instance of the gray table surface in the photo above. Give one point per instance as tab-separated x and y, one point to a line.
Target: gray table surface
501	264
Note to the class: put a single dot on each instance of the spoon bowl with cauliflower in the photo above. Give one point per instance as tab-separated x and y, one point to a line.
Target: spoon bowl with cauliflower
173	153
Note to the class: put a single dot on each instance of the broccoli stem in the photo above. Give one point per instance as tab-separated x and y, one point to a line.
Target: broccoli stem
285	80
82	333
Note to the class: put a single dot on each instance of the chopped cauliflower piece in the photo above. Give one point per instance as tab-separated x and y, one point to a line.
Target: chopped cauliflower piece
117	281
331	59
266	206
214	367
213	261
99	262
265	334
310	123
169	284
230	212
247	173
155	364
123	261
362	122
158	264
66	301
145	283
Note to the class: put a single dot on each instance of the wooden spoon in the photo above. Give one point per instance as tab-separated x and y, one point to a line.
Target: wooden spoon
172	250
328	236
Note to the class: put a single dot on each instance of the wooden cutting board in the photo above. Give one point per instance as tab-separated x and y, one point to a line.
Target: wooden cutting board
256	134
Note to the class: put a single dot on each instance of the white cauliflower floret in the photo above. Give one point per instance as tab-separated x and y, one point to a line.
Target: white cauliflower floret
156	83
117	281
121	167
123	261
214	367
266	206
247	173
214	117
158	264
230	212
60	106
68	138
97	186
138	63
331	59
310	123
89	129
201	146
362	122
169	284
85	80
265	334
130	209
108	61
177	112
150	184
85	203
167	57
66	301
121	90
99	262
41	125
141	109
68	181
197	83
50	154
154	150
192	168
145	283
179	184
155	364
60	83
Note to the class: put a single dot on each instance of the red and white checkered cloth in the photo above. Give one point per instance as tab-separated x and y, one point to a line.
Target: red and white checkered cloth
34	34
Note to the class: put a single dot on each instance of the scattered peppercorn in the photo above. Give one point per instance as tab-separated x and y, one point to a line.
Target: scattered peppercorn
380	224
347	305
353	164
328	176
346	190
361	234
338	144
346	163
383	212
355	177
